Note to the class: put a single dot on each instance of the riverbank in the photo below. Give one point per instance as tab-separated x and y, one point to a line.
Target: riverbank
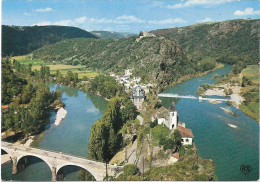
189	77
220	90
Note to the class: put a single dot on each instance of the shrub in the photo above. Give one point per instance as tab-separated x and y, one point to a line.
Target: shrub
182	151
154	123
195	167
130	169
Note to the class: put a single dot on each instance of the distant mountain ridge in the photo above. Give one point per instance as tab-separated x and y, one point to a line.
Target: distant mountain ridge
229	41
112	35
19	40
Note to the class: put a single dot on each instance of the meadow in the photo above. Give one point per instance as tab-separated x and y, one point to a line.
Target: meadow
63	69
252	107
252	72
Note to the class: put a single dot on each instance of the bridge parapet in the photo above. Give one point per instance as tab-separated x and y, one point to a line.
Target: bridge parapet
56	160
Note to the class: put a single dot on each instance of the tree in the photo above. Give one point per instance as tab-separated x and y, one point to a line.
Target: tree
98	145
177	139
129	110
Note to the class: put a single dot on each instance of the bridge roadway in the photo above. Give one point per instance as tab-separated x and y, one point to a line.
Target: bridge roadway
57	160
191	97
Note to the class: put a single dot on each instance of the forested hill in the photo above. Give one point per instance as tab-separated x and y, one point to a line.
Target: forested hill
112	35
18	40
159	59
229	41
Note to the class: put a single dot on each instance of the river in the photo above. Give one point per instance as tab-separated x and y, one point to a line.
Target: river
70	136
229	148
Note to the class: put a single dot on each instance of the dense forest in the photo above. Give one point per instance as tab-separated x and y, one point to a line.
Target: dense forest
19	40
229	41
26	100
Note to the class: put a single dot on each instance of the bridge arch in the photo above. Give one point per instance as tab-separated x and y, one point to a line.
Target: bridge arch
36	156
58	168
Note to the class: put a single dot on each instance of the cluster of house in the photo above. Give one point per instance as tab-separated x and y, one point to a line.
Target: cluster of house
127	80
169	118
131	82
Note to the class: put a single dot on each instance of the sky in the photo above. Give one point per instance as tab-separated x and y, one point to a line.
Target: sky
125	15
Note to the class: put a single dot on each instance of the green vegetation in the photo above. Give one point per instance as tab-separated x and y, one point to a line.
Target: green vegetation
18	40
86	176
159	132
252	72
129	171
228	42
82	71
154	59
172	142
190	167
29	101
105	137
106	86
202	89
250	91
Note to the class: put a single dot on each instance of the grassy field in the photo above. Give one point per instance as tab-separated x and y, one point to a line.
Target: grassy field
159	132
36	64
252	72
252	108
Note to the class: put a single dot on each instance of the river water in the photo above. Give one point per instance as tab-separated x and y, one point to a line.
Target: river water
229	148
70	136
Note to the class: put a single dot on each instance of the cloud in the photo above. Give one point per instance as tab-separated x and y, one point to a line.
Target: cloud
190	3
124	19
63	23
130	19
167	21
44	23
247	12
206	20
27	14
43	10
81	20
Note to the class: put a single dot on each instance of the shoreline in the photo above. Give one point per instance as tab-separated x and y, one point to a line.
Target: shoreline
219	90
189	77
61	114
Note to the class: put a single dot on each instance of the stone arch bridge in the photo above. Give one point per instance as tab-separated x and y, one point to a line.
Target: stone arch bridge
57	160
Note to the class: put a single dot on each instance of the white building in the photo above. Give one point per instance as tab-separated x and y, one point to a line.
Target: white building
186	135
169	118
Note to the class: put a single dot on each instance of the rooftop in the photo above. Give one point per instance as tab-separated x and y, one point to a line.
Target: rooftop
138	92
4	107
176	155
185	132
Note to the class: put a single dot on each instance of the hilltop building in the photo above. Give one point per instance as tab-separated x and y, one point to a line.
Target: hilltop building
138	97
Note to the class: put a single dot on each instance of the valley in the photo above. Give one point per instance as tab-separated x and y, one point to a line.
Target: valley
110	85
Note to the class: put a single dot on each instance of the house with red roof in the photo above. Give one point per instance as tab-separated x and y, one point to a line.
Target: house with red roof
186	135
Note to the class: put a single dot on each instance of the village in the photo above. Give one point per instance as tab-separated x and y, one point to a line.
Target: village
162	116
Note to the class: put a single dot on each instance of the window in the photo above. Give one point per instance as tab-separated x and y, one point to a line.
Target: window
182	140
187	140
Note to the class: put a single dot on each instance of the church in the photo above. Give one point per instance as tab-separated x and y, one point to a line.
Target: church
138	96
169	118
